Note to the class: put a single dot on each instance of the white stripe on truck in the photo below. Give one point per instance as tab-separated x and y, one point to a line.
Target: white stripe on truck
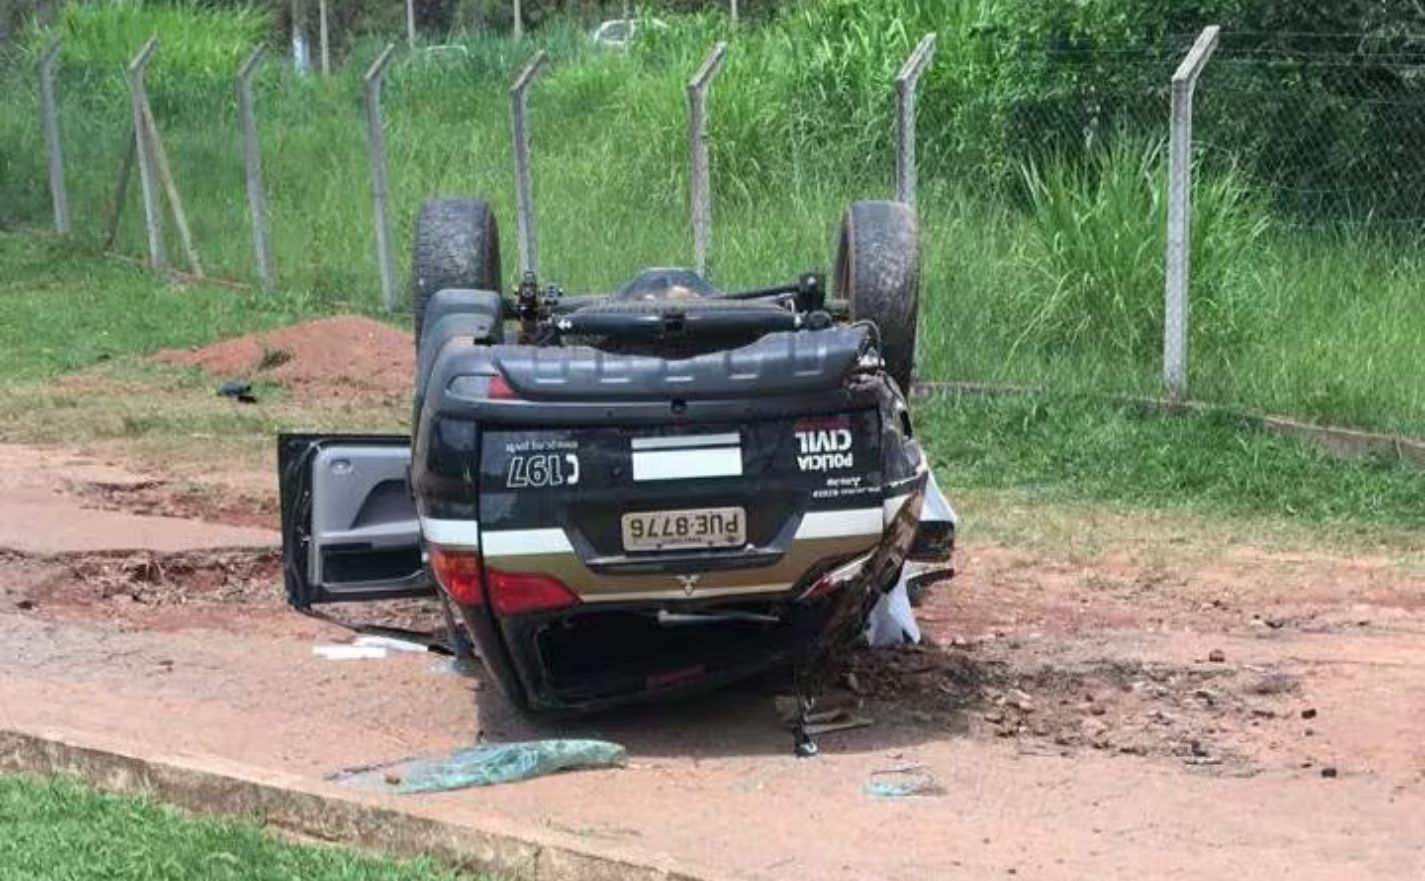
681	441
687	464
451	533
841	524
523	542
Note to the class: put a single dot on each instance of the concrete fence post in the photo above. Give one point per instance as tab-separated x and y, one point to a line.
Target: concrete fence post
1178	269
376	151
411	24
906	82
733	11
252	165
170	186
518	15
524	183
148	185
699	183
301	48
324	37
49	122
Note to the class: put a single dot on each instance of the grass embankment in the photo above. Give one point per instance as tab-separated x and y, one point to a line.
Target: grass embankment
1041	452
74	370
57	828
1050	276
67	308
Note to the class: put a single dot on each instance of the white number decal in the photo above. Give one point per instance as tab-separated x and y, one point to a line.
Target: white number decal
542	469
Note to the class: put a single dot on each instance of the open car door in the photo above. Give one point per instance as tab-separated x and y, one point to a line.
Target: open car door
349	525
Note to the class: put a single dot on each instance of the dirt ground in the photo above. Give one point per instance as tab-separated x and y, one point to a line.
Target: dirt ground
321	361
1163	702
1101	694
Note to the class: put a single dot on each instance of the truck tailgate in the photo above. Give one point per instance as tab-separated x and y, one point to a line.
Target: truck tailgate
686	511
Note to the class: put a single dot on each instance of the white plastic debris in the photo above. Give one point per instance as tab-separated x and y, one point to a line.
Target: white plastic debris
349	652
937	508
388	642
892	622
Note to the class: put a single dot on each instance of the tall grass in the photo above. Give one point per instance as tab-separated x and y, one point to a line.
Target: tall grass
1055	281
1100	232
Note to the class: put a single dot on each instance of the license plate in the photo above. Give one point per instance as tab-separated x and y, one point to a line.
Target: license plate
683	530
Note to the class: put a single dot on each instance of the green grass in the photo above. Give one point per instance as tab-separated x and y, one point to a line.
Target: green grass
1057	449
1038	270
1053	279
83	311
60	829
67	308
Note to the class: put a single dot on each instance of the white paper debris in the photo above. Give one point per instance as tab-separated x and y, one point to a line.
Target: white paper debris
348	652
389	642
892	622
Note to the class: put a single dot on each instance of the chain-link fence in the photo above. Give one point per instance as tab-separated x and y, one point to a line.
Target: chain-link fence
1325	130
1042	186
1307	273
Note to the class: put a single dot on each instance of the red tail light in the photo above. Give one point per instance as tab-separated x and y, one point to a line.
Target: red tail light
836	579
519	593
501	390
511	593
459	573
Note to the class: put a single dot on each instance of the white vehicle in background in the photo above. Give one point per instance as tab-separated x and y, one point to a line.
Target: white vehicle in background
618	33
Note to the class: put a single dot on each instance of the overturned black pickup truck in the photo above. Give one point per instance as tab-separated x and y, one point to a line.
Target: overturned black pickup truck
637	495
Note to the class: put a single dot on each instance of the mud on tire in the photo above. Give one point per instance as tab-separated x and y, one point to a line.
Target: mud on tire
457	245
878	272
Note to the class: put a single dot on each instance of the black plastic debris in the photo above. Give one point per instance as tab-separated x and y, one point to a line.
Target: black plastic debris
236	388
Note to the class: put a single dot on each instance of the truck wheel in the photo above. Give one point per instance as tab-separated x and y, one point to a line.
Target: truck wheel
878	272
457	245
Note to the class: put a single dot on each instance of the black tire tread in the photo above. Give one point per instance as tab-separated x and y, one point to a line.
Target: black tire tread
457	245
878	272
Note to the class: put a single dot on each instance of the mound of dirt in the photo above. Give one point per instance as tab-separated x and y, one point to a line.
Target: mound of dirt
345	358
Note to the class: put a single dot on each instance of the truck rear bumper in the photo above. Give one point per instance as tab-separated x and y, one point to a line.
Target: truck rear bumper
594	657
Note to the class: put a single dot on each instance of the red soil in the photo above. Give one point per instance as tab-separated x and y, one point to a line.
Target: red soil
345	358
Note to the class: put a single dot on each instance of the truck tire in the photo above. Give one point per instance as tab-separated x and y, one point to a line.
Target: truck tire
878	273
457	245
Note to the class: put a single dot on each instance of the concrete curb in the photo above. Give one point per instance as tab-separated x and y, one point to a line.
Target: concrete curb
286	802
1341	443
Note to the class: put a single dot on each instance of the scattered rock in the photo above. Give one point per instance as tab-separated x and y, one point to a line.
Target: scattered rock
1328	772
392	778
1275	683
1207	696
25	605
1021	701
1308	713
1217	656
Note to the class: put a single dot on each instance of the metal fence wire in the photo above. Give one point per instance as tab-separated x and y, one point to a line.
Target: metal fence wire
1026	149
1327	129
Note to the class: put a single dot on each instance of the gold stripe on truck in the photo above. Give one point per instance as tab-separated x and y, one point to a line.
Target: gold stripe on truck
593	587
